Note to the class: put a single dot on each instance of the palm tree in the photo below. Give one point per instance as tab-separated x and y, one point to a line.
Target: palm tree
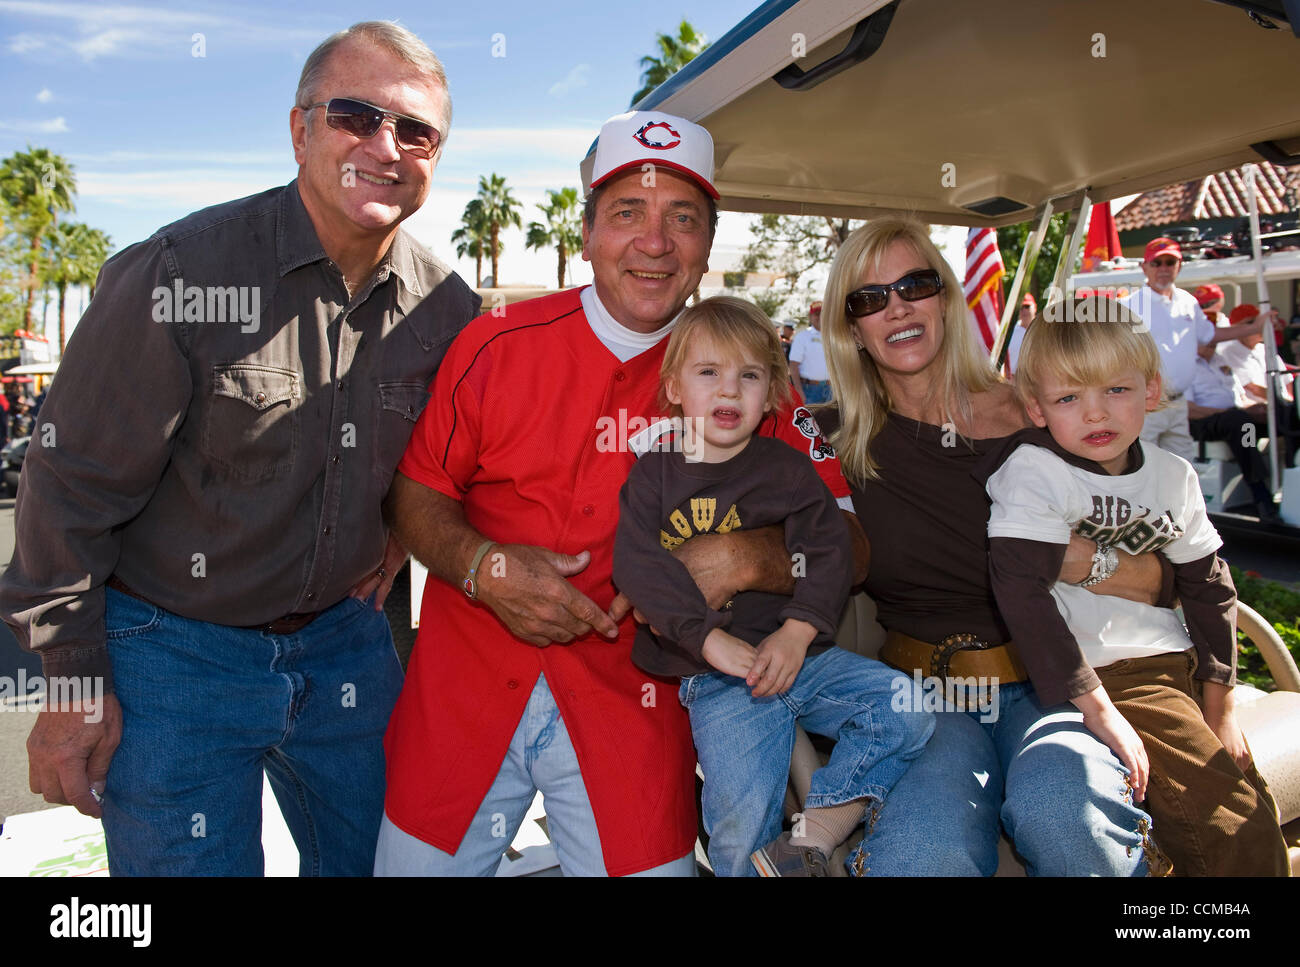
35	186
500	210
674	54
563	228
472	237
75	253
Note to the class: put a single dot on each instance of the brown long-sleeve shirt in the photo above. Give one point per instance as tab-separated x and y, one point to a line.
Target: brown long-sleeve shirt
224	426
667	499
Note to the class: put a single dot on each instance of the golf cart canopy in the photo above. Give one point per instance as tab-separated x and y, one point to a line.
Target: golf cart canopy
976	112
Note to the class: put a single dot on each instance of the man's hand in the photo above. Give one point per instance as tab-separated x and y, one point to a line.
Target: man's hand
1221	716
728	654
1105	722
1138	577
721	565
381	581
533	597
69	750
780	656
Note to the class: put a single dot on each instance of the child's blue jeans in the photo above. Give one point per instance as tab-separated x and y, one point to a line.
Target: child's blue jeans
744	746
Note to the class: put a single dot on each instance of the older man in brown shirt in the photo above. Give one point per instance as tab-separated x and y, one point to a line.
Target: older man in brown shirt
200	538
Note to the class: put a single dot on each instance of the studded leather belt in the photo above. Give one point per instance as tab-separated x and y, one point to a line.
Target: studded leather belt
285	625
956	656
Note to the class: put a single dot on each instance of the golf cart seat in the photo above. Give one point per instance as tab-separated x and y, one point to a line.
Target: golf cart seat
1270	721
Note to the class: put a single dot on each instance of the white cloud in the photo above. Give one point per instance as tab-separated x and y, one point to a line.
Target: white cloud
575	79
206	156
22	43
104	42
45	95
96	13
91	31
179	191
52	126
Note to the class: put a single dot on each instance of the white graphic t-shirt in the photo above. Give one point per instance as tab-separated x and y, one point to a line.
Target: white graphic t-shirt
1038	496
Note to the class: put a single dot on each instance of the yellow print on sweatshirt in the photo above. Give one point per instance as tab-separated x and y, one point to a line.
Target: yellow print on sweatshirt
704	511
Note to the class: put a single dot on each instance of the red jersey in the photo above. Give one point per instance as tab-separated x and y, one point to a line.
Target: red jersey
528	428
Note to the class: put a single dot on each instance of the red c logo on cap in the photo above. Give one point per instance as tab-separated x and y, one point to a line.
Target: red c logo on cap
650	126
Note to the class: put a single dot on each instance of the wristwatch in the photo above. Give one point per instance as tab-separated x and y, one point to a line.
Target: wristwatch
470	585
1105	562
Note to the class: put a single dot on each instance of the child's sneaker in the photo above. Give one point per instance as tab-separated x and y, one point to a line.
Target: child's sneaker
782	858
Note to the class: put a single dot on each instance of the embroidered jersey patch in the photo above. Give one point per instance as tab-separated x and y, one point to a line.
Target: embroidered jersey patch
806	424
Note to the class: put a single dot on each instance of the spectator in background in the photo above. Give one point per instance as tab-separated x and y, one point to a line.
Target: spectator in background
1218	410
808	359
20	420
1178	325
787	336
1246	356
1028	309
1210	299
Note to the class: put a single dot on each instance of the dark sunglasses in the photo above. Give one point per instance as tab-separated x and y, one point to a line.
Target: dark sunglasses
913	287
1164	263
362	120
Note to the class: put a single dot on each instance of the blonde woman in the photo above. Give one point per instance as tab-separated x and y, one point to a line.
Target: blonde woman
918	409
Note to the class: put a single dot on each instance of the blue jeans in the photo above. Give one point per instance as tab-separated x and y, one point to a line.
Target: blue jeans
540	757
205	708
815	391
744	745
1058	791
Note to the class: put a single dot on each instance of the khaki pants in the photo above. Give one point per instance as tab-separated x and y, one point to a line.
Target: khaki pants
1209	817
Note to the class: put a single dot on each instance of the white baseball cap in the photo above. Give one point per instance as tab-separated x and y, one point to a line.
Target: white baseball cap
652	137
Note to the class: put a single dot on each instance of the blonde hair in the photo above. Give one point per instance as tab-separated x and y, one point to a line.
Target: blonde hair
1085	343
863	399
738	328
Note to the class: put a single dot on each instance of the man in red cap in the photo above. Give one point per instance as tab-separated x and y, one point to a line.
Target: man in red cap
522	679
1178	325
1210	299
1248	364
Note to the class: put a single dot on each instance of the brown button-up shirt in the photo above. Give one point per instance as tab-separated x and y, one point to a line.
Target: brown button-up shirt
223	428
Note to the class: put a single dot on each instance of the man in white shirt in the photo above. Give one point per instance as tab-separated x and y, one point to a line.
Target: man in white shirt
1247	358
1178	326
1217	408
808	359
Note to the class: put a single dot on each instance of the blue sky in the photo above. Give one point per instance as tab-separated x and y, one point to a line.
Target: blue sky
155	132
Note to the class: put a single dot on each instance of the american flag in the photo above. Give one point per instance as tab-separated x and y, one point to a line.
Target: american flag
983	286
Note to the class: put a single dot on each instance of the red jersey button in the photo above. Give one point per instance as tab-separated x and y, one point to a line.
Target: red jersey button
588	510
512	684
620	375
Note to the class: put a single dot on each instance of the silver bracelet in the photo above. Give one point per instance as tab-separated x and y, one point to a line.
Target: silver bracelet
1105	562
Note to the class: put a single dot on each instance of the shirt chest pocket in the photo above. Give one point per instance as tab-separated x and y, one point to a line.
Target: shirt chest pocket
401	401
251	426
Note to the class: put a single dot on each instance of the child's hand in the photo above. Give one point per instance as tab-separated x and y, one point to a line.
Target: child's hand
780	656
1221	716
1104	721
728	654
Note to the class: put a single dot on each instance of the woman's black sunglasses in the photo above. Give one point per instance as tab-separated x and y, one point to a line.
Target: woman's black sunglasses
362	120
913	287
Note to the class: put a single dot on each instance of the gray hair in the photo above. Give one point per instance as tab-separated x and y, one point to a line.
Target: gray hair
388	36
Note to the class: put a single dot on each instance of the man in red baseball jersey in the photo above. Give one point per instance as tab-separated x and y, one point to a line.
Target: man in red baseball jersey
521	678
